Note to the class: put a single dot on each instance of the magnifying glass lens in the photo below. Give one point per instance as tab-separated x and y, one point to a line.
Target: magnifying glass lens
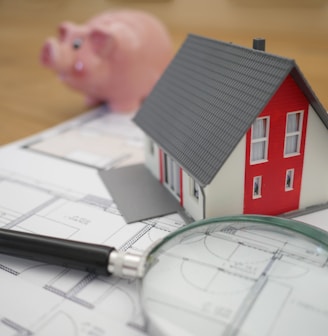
244	277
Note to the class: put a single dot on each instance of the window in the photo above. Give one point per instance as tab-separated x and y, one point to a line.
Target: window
289	182
171	174
257	186
293	133
259	141
194	188
151	146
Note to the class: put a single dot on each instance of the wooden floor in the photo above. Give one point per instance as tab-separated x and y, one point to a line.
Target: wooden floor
33	99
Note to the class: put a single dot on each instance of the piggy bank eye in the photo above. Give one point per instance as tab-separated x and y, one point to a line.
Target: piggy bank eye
77	43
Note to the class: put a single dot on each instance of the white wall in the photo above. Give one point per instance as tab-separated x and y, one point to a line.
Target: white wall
225	195
314	188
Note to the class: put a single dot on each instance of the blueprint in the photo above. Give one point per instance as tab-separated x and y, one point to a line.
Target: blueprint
239	279
50	185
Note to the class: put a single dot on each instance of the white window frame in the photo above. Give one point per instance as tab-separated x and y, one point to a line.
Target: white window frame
290	172
296	133
171	172
194	189
258	180
151	146
264	139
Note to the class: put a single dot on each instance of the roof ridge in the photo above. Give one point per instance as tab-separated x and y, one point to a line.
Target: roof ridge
241	47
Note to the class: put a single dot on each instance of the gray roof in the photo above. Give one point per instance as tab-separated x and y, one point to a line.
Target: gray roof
208	98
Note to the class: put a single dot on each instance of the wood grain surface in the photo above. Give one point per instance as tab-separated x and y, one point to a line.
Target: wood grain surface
33	99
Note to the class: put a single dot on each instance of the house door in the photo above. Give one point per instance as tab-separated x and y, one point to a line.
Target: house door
172	175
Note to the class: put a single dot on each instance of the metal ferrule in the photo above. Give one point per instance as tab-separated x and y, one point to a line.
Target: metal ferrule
125	265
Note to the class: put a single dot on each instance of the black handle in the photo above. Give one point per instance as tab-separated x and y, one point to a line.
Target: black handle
92	258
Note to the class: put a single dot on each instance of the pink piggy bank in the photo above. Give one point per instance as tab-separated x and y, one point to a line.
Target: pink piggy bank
116	57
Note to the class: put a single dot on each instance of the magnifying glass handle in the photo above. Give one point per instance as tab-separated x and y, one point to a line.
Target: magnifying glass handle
94	258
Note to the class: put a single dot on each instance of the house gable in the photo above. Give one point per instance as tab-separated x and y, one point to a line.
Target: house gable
274	197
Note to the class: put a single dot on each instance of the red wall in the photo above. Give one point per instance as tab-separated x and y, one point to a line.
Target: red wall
275	200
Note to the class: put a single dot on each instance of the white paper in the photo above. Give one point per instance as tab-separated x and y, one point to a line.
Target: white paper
47	190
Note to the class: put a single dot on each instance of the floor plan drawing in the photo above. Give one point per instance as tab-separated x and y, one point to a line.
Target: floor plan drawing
35	311
90	219
49	185
241	280
108	140
50	194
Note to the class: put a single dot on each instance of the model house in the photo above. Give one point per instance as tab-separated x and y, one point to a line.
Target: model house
234	130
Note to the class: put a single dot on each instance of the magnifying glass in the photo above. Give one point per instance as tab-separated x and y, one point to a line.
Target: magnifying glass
239	275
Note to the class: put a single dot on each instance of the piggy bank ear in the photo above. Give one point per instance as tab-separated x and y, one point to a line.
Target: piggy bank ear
64	29
103	43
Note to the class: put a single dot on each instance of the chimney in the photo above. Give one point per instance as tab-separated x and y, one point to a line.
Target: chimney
259	44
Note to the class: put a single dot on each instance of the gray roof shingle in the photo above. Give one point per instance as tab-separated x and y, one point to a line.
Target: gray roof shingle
207	99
